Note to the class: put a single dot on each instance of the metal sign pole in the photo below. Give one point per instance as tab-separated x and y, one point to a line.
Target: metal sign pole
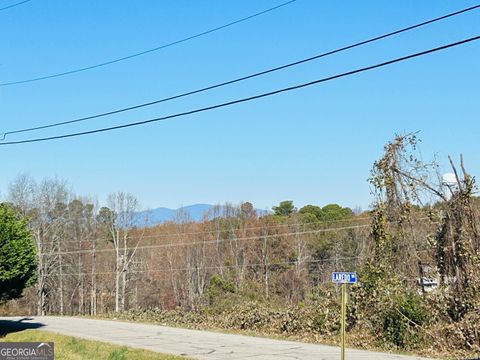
343	278
344	313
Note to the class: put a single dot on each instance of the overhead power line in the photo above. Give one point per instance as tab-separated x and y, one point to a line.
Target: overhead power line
233	230
176	42
269	265
250	98
205	242
14	5
243	78
303	226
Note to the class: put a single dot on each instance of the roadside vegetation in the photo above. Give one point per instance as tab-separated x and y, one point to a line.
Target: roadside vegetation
71	348
18	260
416	251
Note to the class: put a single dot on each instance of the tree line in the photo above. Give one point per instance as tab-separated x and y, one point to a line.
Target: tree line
95	258
100	259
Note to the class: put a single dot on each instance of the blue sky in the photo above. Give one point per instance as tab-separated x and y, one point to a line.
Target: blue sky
315	145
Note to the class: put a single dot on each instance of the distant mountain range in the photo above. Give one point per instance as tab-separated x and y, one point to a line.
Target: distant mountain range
194	212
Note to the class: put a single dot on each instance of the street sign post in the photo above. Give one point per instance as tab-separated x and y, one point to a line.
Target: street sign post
343	278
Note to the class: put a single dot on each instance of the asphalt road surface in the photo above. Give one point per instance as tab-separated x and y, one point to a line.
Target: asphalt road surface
203	345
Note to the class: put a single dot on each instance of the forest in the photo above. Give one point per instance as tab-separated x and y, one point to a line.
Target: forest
416	252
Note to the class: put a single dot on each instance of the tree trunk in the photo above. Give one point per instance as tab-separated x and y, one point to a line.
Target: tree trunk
124	285
93	298
265	263
117	281
61	286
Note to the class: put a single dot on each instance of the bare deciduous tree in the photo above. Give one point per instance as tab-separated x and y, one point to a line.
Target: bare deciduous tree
120	218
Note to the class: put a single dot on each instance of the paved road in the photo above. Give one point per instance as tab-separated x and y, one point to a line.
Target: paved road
202	345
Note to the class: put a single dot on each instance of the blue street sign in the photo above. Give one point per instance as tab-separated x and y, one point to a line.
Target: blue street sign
344	277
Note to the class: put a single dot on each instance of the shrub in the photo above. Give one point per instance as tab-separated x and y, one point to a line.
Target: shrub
401	321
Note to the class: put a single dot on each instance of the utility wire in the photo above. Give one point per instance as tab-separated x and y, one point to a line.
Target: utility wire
14	5
272	264
250	98
220	231
149	50
356	221
243	78
192	243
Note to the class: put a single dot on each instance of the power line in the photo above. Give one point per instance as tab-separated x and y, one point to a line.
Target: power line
14	5
250	98
149	50
243	78
192	243
272	264
219	231
354	220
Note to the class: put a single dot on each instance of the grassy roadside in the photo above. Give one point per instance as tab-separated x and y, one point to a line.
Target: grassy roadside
72	348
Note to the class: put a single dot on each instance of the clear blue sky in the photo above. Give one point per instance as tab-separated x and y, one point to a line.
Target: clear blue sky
315	145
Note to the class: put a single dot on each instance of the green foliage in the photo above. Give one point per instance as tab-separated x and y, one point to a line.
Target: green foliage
285	208
335	212
330	212
395	314
77	345
307	218
312	210
218	287
119	354
18	262
400	321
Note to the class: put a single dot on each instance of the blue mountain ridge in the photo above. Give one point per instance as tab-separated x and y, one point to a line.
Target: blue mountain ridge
161	215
